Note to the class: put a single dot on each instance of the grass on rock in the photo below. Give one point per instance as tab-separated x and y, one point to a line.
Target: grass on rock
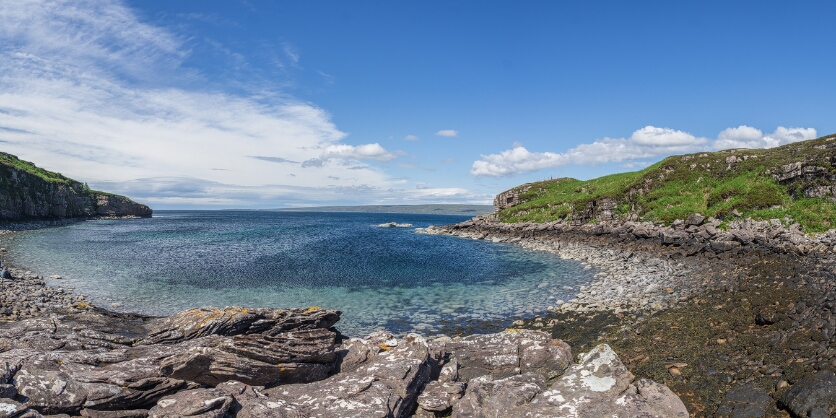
725	185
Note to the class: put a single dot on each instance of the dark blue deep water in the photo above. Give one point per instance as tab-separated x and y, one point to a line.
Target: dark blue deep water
391	278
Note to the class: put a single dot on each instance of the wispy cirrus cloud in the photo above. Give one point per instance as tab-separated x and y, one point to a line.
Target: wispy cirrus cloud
648	142
91	90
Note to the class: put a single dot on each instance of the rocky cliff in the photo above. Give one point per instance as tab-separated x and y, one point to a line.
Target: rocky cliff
28	192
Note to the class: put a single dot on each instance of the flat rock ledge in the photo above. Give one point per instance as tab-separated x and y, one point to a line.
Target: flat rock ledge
237	362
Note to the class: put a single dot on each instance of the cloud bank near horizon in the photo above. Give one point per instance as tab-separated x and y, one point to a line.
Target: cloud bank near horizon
647	142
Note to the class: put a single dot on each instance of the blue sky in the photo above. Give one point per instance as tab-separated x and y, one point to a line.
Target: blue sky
248	104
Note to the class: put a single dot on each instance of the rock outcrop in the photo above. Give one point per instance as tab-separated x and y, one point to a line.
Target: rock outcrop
236	362
30	193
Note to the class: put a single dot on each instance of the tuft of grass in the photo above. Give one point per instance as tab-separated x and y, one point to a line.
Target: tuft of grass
725	185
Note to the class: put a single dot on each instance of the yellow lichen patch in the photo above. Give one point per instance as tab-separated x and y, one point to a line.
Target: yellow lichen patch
82	305
513	330
384	347
313	309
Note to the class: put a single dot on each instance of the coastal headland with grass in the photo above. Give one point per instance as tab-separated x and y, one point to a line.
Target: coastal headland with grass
712	295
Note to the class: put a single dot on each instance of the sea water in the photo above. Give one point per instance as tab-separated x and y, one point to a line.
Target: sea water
381	278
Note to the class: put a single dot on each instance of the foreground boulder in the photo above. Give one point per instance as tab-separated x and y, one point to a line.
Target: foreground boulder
600	385
385	386
509	353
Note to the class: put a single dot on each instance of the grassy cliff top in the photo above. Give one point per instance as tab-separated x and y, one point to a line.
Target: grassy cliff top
789	182
25	166
16	163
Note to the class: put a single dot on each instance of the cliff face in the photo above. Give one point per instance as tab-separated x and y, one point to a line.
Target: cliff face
28	192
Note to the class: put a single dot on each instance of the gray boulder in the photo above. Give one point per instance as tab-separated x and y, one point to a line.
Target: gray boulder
509	353
49	391
440	396
511	396
385	386
600	385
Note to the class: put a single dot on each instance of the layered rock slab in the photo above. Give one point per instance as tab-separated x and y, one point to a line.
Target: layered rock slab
598	386
385	386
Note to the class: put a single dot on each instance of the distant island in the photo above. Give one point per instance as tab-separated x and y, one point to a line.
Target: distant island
474	210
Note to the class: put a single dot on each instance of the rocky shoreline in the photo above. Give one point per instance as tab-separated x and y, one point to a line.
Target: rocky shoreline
748	331
737	322
61	356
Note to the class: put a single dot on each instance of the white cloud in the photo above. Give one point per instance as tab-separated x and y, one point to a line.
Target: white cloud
411	138
360	152
748	137
648	142
90	90
447	132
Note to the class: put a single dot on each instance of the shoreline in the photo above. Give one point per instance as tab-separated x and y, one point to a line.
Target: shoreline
62	355
756	322
708	323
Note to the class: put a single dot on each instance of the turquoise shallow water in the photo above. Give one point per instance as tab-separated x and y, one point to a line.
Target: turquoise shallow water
389	278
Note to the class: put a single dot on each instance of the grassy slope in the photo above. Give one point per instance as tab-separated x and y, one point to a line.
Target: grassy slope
25	166
46	175
673	189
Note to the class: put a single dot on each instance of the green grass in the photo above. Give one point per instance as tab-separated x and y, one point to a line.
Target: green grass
50	177
26	166
703	182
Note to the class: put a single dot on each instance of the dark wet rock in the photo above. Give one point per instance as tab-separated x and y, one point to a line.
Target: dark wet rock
813	395
201	322
49	391
385	386
744	401
8	390
203	403
509	353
